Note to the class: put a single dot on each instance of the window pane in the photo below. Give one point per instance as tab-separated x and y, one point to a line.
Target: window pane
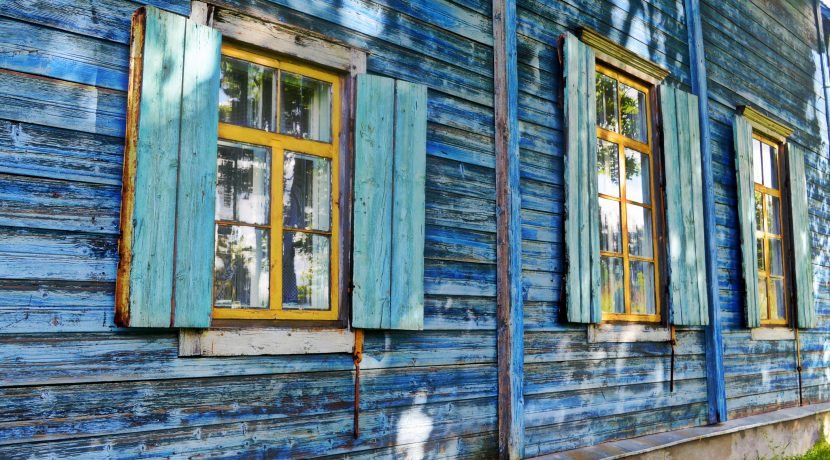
776	254
307	192
773	214
243	183
637	177
762	297
633	112
608	167
770	157
760	253
606	102
305	271
305	107
777	298
759	211
640	234
240	272
642	288
612	291
757	162
246	94
610	228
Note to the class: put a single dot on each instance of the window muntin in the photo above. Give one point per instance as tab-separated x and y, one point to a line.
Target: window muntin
769	232
629	273
277	207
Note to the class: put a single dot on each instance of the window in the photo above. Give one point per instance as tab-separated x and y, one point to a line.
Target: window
628	236
769	232
277	211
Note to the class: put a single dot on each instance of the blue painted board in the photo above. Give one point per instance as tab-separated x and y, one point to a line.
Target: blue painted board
742	131
802	238
373	176
197	177
407	259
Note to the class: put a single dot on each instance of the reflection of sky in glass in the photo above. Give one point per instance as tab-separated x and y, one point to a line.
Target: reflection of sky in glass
639	231
243	178
610	228
241	267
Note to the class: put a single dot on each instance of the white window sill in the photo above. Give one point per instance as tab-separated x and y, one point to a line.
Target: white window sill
622	333
772	333
264	341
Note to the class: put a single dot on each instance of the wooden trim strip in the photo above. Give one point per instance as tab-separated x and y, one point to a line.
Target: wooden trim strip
509	314
779	132
622	58
715	385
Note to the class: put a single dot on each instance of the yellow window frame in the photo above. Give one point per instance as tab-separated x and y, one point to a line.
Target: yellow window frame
763	275
624	142
278	144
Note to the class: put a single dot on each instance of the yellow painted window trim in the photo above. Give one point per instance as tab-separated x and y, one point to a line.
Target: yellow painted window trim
645	148
278	144
763	274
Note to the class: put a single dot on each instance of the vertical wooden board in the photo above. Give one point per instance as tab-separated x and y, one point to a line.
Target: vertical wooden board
674	204
700	297
746	216
582	213
407	276
197	177
687	258
373	172
153	223
802	244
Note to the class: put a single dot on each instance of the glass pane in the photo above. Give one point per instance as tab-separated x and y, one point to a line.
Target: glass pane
246	94
606	102
240	272
642	288
757	162
759	253
770	157
762	297
759	211
779	305
612	291
243	183
776	254
610	228
773	214
633	112
305	271
305	107
608	167
637	177
307	192
640	234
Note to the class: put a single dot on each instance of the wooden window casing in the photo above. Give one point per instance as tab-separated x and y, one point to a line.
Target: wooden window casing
769	316
623	142
278	145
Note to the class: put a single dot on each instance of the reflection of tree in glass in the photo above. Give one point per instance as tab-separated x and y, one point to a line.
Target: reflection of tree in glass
247	87
231	269
606	102
235	175
608	162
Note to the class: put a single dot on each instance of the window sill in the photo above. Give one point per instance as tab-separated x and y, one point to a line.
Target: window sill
623	333
772	333
264	341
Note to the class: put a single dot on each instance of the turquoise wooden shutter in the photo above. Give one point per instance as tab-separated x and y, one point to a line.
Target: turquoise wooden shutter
802	239
167	212
389	178
684	208
581	207
742	131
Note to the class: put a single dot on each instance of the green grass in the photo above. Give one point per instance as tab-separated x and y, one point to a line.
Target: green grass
821	451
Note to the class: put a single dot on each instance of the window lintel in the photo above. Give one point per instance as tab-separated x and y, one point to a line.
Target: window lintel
765	125
622	58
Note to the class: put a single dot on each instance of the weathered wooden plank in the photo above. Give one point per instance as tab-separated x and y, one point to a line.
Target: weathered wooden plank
41	151
374	155
196	183
802	244
144	286
407	220
746	212
510	312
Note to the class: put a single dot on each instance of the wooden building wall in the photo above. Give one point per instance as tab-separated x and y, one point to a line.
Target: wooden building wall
73	385
579	393
765	54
